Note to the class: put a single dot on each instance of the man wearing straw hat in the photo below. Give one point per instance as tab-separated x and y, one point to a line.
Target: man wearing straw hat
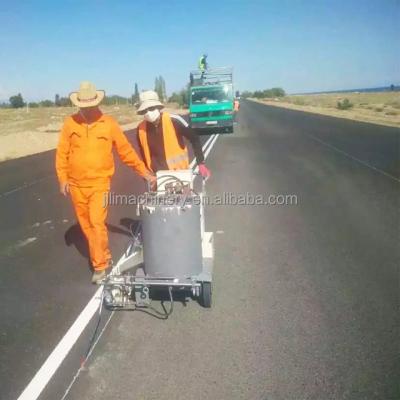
161	137
85	165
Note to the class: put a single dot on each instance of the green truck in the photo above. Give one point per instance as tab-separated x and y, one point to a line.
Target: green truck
211	99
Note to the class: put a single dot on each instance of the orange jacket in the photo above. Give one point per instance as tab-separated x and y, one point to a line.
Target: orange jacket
84	154
177	157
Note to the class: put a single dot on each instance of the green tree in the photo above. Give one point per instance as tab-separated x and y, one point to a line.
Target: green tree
135	96
175	98
157	86
274	92
163	88
246	94
64	102
266	93
46	103
114	100
17	101
181	97
344	104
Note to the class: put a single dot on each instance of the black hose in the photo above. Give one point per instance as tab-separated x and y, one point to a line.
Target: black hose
93	338
158	314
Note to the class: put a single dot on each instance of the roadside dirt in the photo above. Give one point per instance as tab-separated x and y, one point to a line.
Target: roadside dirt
377	108
24	133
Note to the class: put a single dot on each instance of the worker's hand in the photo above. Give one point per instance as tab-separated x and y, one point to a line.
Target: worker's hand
152	181
204	171
64	188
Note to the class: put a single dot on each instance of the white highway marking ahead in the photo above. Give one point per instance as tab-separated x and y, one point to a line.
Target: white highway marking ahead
334	148
54	360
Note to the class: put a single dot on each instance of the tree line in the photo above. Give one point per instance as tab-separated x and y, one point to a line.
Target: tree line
266	93
17	101
180	97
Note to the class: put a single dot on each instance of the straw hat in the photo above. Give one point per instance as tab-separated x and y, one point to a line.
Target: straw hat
148	99
87	96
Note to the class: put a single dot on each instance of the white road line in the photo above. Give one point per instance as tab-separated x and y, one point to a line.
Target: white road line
25	185
50	366
53	362
205	146
210	141
207	152
352	157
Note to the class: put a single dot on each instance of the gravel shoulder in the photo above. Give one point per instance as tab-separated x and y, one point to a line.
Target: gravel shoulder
382	108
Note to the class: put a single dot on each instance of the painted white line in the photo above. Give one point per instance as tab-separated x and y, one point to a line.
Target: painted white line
25	185
53	362
352	157
207	152
208	142
205	145
23	243
50	366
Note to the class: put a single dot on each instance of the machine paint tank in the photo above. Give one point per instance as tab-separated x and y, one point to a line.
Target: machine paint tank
171	235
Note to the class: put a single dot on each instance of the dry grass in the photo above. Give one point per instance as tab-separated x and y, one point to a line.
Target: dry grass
23	133
50	118
380	108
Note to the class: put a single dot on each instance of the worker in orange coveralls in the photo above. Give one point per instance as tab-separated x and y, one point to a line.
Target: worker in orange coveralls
85	165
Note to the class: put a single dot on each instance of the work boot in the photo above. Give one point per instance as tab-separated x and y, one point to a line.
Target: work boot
98	277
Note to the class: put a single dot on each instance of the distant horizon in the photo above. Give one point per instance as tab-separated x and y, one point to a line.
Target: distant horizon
366	89
352	90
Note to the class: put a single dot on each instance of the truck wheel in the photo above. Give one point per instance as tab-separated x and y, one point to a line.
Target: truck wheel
206	294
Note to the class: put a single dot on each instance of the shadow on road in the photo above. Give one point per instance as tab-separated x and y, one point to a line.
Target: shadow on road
131	224
75	237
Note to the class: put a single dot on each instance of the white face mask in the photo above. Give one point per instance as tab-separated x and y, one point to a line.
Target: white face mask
152	116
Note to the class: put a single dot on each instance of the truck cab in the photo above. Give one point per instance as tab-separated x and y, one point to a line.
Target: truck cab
211	101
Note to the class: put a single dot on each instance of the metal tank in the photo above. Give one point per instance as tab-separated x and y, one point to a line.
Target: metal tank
171	236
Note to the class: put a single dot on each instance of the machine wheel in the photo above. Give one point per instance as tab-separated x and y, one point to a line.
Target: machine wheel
206	294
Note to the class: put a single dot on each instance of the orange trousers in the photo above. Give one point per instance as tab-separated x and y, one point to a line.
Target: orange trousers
91	210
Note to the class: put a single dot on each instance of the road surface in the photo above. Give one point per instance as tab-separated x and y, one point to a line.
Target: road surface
305	294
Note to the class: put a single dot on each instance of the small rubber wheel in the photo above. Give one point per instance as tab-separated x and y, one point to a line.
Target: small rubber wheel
206	294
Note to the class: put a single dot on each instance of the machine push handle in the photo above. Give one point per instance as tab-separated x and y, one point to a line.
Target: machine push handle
150	187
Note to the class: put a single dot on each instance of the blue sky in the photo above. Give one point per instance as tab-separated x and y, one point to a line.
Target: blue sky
48	47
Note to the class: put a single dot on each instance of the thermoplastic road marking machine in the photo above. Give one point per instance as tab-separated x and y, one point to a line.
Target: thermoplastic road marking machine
170	251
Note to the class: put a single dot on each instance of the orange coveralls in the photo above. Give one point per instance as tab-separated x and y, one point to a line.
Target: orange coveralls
84	159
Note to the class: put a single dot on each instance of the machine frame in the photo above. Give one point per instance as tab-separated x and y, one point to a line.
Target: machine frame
129	287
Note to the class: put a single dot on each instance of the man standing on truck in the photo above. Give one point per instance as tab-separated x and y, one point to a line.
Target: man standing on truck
161	137
203	63
85	165
203	66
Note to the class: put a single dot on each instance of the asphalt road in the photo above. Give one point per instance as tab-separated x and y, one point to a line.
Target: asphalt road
305	295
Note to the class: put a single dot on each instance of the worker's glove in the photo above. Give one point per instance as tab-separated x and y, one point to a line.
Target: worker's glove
204	171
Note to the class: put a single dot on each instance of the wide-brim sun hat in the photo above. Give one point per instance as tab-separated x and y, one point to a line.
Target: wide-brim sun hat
148	99
87	95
